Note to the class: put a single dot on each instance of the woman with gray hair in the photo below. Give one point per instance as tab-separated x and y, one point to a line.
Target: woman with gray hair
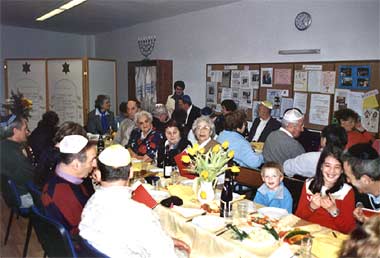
101	119
204	131
145	139
160	117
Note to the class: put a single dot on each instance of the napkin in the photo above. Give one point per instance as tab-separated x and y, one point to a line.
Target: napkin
325	244
188	212
283	251
140	194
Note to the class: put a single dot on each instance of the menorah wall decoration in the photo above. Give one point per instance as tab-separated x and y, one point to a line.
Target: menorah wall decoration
146	45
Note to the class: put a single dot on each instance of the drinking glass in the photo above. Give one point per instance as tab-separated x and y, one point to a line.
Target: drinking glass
306	244
242	208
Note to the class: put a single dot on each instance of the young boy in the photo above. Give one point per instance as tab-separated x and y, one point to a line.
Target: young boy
273	192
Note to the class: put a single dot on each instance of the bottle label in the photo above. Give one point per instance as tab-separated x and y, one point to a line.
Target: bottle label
225	208
167	171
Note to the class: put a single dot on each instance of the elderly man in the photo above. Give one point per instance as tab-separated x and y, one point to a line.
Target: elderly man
14	162
114	223
280	144
128	124
64	195
264	124
362	167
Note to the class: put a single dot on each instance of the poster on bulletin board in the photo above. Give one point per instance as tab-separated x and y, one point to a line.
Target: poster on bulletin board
354	77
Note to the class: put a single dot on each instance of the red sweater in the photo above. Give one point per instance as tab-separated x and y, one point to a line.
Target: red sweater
355	137
345	202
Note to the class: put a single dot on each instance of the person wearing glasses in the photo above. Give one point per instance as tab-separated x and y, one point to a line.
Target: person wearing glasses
204	131
362	168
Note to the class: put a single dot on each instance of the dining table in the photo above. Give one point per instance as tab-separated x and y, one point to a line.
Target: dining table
222	241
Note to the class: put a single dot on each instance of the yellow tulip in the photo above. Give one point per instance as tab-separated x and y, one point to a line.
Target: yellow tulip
195	146
231	154
203	195
216	148
185	159
204	174
202	151
191	151
235	169
225	145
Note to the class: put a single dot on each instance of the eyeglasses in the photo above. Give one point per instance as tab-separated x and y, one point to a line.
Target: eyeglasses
203	127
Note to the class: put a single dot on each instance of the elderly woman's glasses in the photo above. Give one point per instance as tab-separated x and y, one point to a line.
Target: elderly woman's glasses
203	128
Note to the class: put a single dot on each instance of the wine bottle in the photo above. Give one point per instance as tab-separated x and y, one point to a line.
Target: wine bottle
100	145
226	196
167	164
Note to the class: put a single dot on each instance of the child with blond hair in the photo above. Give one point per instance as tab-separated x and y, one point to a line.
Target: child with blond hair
272	192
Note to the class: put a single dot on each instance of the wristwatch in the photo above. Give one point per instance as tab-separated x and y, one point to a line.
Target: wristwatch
334	213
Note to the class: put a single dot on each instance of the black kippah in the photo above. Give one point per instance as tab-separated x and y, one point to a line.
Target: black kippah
172	200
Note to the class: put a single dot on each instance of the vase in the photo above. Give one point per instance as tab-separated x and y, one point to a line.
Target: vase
206	193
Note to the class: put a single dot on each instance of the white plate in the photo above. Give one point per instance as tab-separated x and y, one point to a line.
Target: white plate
259	237
158	195
156	170
235	196
188	182
188	212
273	212
209	223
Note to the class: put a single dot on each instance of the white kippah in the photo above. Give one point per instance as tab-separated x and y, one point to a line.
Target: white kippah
292	116
72	144
115	156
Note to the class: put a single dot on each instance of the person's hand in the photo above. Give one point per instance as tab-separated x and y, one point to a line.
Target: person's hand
359	126
179	244
328	203
315	201
146	158
359	215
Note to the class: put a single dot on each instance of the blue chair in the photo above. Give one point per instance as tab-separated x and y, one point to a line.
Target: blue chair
53	236
89	251
36	195
11	197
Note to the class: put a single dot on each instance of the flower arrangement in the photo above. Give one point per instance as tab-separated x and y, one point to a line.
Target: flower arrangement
19	105
211	164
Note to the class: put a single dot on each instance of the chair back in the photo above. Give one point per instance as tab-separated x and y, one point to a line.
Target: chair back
294	186
36	195
90	251
54	238
10	193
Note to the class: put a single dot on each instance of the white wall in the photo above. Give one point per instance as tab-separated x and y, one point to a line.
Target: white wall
247	31
19	42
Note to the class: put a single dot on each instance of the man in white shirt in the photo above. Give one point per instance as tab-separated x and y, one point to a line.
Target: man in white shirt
115	224
263	125
128	124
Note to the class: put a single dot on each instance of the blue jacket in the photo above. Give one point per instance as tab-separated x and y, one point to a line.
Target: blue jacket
244	155
282	198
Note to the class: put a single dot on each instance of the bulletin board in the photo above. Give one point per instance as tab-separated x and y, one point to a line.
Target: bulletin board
313	87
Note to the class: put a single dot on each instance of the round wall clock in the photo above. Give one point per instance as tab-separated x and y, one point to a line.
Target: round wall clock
302	21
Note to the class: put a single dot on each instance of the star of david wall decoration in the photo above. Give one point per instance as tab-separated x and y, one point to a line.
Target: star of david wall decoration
26	68
66	68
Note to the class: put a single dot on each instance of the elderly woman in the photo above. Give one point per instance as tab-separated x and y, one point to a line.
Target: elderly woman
326	199
235	125
160	117
204	131
101	120
356	133
174	144
144	140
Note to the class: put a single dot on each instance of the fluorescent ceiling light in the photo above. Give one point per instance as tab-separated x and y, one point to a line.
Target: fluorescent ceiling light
71	4
299	51
49	14
60	9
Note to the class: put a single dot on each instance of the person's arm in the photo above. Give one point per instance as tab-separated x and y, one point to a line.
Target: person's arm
247	157
345	221
303	165
91	123
288	201
154	141
304	208
260	198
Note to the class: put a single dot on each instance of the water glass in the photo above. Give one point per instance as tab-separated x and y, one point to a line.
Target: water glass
306	244
242	208
156	184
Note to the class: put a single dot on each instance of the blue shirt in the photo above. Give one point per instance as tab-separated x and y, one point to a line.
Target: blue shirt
244	155
281	197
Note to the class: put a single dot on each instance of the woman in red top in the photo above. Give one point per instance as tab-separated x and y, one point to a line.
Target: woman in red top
356	133
326	199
